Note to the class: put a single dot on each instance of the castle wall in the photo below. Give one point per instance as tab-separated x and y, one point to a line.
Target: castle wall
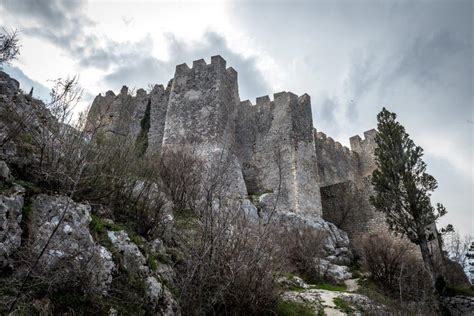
275	146
202	105
268	147
365	148
201	113
159	105
122	115
336	163
347	205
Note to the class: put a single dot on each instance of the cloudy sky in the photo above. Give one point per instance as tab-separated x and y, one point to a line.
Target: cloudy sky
352	57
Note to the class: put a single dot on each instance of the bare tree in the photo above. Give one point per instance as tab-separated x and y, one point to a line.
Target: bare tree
457	247
9	46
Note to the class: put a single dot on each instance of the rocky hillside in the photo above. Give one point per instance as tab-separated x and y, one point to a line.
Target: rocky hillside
90	225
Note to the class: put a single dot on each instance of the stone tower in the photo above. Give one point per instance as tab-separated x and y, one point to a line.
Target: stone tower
201	113
276	149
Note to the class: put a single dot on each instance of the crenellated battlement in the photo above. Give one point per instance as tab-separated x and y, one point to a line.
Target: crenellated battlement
217	65
201	106
330	144
358	144
365	148
283	97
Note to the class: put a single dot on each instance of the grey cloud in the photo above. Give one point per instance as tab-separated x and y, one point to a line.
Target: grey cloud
328	107
140	68
139	72
64	24
251	81
48	13
61	22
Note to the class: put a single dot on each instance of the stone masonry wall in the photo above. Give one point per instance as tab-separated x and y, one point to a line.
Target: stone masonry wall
201	113
121	115
270	147
275	146
365	148
347	205
336	163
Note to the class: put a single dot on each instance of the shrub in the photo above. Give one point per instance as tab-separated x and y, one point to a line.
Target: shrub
395	267
303	247
228	265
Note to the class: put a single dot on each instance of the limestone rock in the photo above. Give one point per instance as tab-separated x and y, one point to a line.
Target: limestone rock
364	304
459	305
8	85
292	282
72	248
157	246
11	205
333	272
4	171
133	259
161	298
19	109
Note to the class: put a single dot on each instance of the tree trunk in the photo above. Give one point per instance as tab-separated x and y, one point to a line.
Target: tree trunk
428	260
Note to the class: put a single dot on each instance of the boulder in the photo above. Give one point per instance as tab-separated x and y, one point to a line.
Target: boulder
71	250
292	282
336	243
8	85
11	206
133	260
160	298
157	247
4	171
333	272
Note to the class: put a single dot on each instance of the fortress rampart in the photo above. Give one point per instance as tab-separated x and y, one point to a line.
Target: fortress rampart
271	144
336	163
276	149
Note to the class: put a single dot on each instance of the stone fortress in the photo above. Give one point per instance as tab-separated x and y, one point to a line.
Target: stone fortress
272	145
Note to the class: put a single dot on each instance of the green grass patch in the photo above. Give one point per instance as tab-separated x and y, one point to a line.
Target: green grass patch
26	213
96	225
185	219
343	305
30	187
5	185
152	263
98	231
288	308
163	258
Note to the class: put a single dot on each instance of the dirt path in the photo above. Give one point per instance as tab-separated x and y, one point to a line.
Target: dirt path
327	299
352	285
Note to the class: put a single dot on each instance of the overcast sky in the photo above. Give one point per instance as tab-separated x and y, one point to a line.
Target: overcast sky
351	57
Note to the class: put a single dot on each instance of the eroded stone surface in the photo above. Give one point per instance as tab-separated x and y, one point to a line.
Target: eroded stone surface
11	205
133	259
266	147
71	249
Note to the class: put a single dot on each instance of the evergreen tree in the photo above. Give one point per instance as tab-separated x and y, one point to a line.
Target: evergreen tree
403	188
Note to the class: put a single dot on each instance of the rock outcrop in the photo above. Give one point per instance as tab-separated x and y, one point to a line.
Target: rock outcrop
72	248
11	208
133	260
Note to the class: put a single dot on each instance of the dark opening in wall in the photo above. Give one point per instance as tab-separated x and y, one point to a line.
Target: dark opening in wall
141	144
